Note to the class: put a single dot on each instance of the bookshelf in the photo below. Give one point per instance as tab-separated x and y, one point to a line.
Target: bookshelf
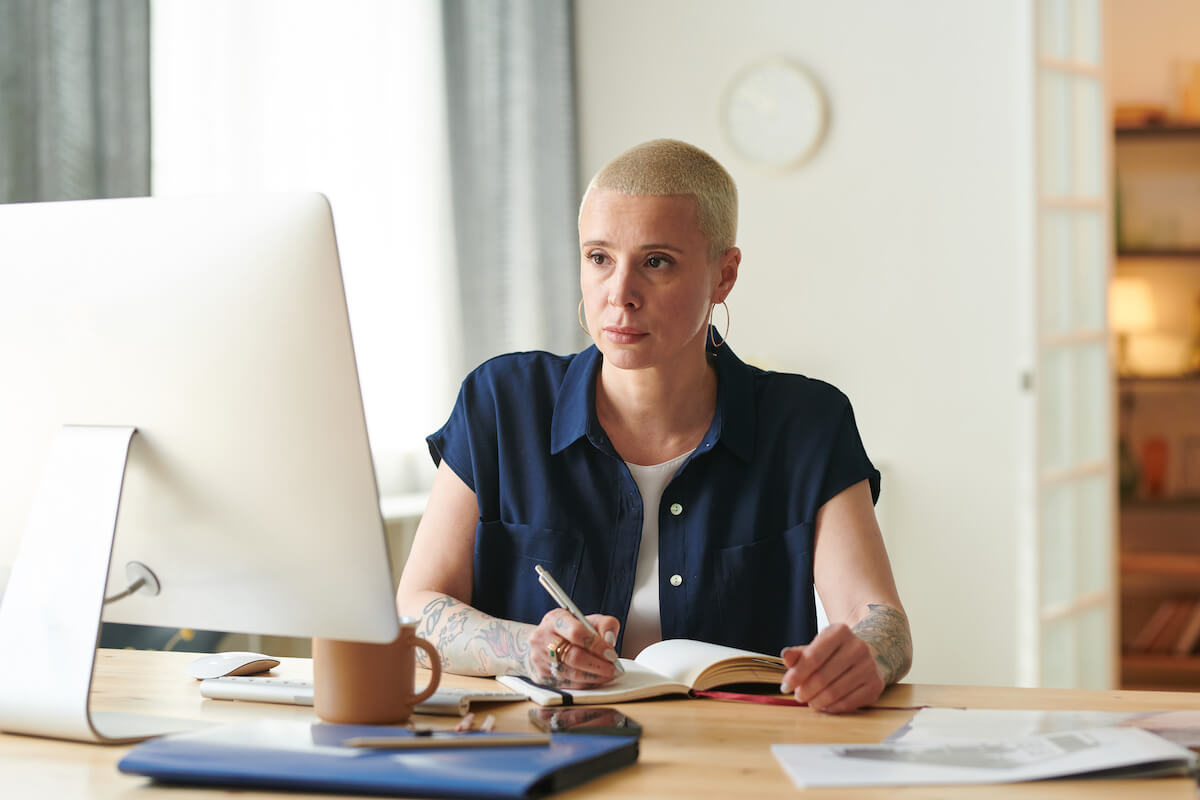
1158	167
1159	561
1160	595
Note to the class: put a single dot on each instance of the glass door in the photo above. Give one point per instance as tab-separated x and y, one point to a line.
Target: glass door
1073	551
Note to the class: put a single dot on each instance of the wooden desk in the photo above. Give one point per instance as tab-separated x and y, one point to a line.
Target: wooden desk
690	748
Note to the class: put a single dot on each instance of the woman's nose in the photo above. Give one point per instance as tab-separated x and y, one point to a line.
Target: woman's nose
621	289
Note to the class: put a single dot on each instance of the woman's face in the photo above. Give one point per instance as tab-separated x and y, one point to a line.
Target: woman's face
646	277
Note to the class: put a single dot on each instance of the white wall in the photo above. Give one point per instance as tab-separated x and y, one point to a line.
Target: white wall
890	265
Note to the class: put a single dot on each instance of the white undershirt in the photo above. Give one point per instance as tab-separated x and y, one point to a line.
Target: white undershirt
643	626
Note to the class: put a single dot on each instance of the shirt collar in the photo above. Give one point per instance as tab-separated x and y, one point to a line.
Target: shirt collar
732	425
574	408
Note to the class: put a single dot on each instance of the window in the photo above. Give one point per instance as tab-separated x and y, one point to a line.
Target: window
345	99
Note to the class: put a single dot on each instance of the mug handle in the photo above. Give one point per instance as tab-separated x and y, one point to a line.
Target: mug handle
435	665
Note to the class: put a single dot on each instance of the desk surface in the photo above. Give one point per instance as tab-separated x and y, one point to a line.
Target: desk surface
689	748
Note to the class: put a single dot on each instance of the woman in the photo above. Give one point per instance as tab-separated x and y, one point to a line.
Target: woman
671	489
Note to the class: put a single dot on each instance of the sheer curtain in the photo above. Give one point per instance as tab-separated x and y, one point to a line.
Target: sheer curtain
442	132
346	99
511	100
74	99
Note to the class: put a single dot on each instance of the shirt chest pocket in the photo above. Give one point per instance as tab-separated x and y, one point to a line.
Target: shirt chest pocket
505	584
765	591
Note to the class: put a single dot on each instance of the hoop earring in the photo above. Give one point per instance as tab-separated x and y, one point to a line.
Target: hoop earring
716	345
581	322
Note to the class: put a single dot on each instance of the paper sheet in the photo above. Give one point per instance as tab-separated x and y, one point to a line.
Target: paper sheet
997	760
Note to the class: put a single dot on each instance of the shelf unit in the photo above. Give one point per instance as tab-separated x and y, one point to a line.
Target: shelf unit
1133	381
1159	562
1149	581
1159	130
1159	569
1175	144
1182	254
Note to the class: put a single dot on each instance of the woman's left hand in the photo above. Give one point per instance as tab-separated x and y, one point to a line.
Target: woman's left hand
834	672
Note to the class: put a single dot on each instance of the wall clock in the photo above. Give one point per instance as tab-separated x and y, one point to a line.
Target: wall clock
775	114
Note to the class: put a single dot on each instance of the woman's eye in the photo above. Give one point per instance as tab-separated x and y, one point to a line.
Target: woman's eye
596	258
657	262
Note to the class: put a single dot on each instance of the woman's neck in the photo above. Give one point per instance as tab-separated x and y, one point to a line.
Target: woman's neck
653	415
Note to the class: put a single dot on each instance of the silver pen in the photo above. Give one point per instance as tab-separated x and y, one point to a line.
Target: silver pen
566	603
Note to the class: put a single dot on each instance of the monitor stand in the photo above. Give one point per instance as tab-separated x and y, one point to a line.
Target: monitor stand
50	613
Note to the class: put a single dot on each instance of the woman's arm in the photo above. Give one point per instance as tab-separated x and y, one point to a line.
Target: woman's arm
436	588
867	644
439	570
854	579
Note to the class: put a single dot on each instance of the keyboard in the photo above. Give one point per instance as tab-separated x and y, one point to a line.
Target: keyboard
446	701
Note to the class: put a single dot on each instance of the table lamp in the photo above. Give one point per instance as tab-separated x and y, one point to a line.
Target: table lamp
1130	312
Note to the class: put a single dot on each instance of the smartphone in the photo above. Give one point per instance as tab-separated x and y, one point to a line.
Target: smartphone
584	719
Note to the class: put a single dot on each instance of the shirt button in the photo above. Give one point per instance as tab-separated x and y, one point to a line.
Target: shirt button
676	509
676	580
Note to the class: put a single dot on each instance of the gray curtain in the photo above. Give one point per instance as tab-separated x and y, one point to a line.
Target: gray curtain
74	99
75	125
511	113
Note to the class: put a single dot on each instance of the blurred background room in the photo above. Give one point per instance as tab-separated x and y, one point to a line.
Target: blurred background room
979	220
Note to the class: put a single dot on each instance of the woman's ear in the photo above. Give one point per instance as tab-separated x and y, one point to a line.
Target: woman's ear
728	263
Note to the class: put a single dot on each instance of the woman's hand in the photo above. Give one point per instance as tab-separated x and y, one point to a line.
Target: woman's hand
563	653
836	671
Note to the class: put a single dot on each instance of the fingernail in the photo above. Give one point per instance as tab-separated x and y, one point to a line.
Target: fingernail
610	637
611	655
785	688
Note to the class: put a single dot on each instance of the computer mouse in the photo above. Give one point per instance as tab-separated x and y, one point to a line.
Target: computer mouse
219	665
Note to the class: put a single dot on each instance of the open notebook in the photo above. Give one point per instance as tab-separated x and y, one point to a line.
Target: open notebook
672	666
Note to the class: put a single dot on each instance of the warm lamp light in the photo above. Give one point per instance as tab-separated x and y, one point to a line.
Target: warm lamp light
1130	311
1130	306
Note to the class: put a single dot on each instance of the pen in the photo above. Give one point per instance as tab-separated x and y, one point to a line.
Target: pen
565	602
449	740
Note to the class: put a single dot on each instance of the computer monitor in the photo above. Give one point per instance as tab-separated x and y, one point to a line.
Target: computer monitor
190	360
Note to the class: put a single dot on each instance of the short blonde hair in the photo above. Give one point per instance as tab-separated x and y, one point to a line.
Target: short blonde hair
669	166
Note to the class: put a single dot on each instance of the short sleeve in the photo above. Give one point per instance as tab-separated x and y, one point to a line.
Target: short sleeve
847	463
454	442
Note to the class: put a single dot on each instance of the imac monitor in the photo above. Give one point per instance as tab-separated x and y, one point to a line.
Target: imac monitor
181	370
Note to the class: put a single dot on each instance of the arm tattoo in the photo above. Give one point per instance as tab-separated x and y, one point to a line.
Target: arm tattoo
885	630
471	642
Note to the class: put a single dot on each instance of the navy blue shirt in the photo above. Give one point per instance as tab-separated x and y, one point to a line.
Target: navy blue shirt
736	521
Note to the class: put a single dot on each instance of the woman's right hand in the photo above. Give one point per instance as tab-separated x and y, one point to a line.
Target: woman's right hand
584	660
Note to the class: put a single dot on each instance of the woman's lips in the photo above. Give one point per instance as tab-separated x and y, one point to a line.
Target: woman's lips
622	335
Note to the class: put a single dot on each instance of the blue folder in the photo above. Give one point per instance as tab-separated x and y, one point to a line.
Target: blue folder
288	754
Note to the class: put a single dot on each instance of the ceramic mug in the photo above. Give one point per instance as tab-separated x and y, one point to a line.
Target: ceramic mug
371	684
